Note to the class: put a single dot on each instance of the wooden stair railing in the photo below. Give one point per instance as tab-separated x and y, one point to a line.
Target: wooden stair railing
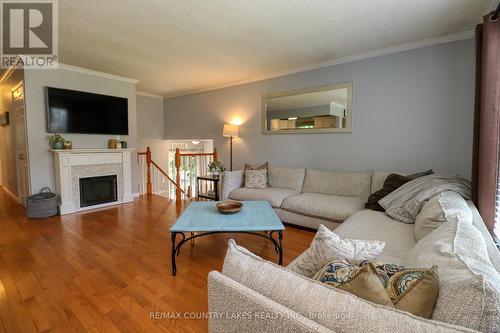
152	166
178	163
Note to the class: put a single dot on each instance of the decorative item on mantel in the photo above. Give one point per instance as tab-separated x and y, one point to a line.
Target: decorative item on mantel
56	141
68	144
112	144
216	168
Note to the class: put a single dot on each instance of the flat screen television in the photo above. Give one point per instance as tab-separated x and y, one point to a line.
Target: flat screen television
70	111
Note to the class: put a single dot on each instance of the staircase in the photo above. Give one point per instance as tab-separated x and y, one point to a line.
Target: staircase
152	179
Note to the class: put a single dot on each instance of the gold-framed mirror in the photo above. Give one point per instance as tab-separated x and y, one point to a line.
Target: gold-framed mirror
324	109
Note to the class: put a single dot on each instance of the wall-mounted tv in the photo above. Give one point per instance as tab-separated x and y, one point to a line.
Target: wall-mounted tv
70	111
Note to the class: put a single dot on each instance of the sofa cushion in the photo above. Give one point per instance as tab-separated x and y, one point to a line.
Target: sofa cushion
329	207
335	309
307	221
274	195
352	184
469	285
289	178
368	224
439	209
327	246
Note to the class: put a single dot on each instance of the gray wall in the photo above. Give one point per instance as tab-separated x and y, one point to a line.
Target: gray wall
150	129
36	81
150	120
8	134
411	111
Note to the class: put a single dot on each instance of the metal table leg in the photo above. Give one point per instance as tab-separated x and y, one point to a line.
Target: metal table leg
176	246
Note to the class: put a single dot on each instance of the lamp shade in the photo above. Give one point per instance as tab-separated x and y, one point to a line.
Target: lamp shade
231	130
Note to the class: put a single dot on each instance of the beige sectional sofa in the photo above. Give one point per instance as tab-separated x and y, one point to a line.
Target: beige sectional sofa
308	197
255	295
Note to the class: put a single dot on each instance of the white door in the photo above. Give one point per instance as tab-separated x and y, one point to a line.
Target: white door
22	161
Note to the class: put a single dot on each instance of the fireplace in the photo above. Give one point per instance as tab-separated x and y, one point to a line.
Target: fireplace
97	190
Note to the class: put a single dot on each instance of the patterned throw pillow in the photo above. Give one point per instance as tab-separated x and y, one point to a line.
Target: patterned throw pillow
263	166
361	280
327	246
413	290
256	178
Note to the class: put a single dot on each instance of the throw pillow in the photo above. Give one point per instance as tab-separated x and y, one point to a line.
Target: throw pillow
391	183
255	178
360	280
413	290
327	246
257	166
263	166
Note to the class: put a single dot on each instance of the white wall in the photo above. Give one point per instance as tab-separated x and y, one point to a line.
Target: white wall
36	81
412	110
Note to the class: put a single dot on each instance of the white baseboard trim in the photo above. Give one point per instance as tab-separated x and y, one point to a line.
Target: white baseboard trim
10	194
136	195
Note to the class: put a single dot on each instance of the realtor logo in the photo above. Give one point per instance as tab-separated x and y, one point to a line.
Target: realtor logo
29	33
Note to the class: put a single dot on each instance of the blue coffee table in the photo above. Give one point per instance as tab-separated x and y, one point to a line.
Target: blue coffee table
202	218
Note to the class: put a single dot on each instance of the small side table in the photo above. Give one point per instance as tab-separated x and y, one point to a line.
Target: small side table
203	191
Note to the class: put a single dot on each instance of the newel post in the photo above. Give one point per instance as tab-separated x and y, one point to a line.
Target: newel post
149	185
177	175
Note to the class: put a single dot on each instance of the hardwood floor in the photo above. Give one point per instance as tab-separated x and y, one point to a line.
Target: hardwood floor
108	270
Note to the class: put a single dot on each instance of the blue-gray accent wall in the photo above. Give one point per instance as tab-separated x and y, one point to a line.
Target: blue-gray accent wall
412	110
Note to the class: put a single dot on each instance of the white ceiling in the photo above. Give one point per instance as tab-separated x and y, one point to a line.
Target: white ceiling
177	46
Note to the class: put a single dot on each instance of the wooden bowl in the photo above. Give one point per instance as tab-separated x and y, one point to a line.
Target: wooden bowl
229	207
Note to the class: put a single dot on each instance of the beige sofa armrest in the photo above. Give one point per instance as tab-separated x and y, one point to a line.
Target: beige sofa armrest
230	180
235	308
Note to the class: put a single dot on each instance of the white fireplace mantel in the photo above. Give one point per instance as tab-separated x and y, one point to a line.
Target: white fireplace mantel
73	164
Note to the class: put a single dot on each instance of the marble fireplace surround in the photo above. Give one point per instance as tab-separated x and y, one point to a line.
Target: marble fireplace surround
73	164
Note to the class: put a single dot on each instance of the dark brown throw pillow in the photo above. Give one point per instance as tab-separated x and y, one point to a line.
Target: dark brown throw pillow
391	183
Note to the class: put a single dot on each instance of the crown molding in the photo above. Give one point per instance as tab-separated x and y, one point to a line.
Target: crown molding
97	73
142	93
336	61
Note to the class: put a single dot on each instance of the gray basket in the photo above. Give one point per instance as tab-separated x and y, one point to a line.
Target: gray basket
41	205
